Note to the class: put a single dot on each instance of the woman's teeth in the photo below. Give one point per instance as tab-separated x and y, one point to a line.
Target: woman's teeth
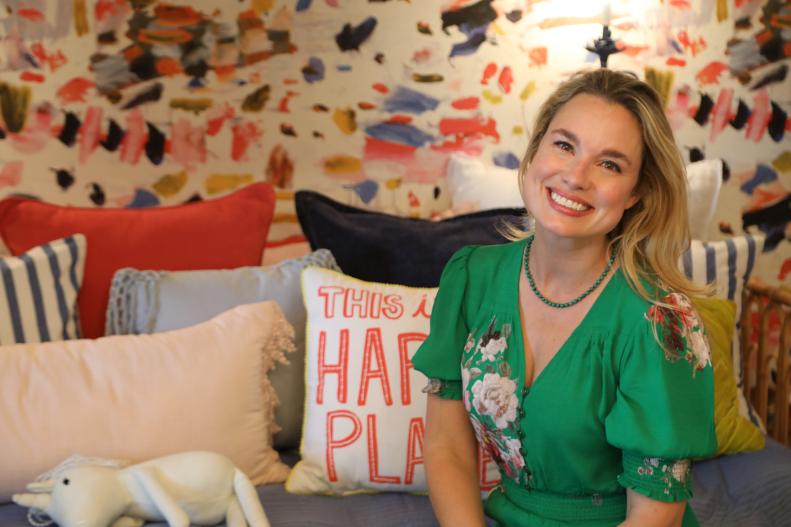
560	200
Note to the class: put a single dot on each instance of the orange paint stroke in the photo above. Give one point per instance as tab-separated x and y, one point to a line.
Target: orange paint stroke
90	132
469	127
244	134
631	51
680	4
381	88
467	103
400	119
216	117
538	57
488	72
176	16
280	168
785	269
53	60
711	73
168	66
31	76
74	90
378	149
695	46
468	145
132	52
164	36
11	174
289	82
29	13
282	106
108	8
506	79
365	105
675	61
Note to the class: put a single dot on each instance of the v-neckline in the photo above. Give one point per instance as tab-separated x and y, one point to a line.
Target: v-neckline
521	338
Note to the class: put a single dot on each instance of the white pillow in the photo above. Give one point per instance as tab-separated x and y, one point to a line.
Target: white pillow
704	180
364	404
136	397
478	186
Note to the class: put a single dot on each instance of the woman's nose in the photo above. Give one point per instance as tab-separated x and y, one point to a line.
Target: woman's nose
577	175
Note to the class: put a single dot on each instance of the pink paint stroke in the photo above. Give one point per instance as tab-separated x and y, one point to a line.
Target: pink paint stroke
90	132
244	134
11	174
759	119
36	133
188	144
721	113
135	138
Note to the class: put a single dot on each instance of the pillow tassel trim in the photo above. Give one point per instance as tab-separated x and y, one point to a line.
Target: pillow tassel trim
122	305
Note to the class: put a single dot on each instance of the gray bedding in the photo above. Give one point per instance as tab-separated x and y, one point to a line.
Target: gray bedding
744	490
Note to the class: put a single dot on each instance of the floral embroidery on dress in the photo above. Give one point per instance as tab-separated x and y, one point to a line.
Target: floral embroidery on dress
674	475
682	331
490	397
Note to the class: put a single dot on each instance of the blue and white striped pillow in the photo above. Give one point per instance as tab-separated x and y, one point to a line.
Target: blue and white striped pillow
728	265
38	292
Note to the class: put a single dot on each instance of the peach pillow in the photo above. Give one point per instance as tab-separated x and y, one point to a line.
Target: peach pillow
135	397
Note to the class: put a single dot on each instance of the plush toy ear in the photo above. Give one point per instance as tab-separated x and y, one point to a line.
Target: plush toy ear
41	486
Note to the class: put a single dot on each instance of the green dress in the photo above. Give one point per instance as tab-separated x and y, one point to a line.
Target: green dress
612	410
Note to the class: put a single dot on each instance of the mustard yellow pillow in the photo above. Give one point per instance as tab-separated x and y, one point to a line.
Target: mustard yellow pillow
735	433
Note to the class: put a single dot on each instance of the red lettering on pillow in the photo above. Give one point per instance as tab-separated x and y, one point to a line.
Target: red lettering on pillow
340	368
393	307
373	346
422	310
333	443
373	456
414	440
406	363
329	293
355	300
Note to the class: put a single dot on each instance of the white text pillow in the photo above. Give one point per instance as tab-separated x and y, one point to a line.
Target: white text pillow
364	405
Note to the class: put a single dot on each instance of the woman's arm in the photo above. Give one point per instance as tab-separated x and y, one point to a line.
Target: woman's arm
451	458
642	511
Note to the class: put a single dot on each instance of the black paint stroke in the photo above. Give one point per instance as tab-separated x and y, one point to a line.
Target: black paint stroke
155	145
151	94
68	134
380	58
2	133
475	15
256	101
97	195
704	109
113	138
351	37
63	177
777	123
287	129
144	66
771	219
696	154
195	198
742	115
776	75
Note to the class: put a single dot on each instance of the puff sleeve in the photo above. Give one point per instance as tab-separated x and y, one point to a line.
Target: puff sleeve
663	413
439	357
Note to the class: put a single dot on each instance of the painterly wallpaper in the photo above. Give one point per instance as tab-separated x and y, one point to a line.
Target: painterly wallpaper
138	103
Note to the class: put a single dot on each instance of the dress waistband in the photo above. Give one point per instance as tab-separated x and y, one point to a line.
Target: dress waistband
563	507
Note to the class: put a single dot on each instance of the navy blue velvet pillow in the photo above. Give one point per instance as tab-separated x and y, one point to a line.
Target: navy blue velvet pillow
380	247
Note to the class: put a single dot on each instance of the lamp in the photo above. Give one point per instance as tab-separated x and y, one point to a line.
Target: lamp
605	45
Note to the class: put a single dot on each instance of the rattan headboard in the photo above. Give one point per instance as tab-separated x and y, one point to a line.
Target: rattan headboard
766	355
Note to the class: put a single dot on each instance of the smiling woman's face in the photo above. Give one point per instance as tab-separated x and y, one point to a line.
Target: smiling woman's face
585	171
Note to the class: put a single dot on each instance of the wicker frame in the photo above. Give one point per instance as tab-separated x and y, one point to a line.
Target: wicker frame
766	358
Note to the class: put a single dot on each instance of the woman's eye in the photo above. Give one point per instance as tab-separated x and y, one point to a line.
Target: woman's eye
563	145
609	165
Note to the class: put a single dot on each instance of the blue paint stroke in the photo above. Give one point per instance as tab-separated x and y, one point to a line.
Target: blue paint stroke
344	67
506	160
477	36
409	101
763	174
365	190
143	199
350	37
404	134
314	71
303	5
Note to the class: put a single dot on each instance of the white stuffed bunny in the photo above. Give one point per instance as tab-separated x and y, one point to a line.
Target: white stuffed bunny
199	488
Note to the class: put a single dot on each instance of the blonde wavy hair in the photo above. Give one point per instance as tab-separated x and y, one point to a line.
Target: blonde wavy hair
653	234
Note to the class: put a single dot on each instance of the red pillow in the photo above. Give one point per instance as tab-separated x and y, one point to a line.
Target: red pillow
221	233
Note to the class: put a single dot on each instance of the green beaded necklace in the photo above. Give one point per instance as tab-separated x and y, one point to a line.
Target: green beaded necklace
570	303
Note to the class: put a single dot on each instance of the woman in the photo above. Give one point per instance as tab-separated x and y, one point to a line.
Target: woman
573	355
